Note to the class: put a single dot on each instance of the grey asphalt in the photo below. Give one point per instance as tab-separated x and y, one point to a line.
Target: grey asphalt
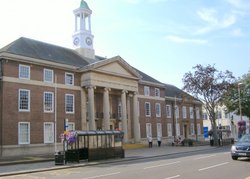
14	166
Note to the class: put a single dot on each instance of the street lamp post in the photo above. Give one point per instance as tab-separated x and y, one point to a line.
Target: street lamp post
239	100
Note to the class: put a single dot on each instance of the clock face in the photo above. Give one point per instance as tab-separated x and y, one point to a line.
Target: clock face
88	41
76	41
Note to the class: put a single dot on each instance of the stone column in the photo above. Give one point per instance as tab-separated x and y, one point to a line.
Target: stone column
91	108
124	116
83	110
106	110
137	132
129	117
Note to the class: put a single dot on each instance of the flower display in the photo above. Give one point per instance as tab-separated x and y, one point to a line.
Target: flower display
70	136
241	123
241	127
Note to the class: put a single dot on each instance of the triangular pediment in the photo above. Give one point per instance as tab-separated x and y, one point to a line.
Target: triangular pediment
115	66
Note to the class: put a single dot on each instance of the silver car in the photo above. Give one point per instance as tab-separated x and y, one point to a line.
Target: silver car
241	148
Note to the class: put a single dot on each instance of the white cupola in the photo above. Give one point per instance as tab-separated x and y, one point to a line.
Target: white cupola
82	37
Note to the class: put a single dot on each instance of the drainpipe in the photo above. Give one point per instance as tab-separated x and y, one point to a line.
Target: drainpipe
173	119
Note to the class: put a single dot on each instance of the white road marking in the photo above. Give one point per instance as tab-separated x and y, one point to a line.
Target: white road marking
176	176
204	157
105	175
213	166
161	165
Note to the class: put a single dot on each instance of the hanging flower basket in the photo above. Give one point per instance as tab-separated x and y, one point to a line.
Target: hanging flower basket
70	136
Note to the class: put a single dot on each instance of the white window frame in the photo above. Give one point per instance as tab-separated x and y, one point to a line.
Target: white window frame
178	131
19	133
191	112
199	129
205	117
197	113
149	129
24	72
146	91
52	101
19	101
48	76
170	133
66	103
147	109
71	126
184	112
158	109
168	111
192	129
219	115
48	134
157	92
67	81
177	113
159	129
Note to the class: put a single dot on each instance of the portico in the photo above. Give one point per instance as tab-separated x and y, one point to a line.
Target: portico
109	98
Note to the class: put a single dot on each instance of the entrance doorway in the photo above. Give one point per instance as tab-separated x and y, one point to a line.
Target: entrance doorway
185	131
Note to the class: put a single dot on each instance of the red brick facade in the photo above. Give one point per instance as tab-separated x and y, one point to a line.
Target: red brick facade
159	123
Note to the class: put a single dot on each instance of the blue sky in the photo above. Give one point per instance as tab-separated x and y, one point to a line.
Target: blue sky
163	38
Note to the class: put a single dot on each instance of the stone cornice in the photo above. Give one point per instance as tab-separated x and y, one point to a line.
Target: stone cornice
24	59
151	98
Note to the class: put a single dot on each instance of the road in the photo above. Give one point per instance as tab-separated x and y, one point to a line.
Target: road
216	164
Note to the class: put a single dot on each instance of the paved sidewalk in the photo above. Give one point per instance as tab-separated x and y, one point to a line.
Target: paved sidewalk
10	166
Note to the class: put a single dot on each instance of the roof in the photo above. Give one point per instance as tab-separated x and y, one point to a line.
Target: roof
84	5
146	77
173	91
44	51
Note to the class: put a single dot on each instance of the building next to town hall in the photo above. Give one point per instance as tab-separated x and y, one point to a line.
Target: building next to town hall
42	85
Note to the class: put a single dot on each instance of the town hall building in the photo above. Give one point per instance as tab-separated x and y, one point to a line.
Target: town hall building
42	85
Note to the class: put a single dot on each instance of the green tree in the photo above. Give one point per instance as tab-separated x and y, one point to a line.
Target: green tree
239	95
237	99
208	85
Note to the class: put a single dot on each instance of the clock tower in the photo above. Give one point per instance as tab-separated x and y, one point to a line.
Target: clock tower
82	37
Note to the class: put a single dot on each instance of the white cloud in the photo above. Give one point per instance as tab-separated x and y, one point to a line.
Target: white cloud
208	15
241	4
178	39
237	32
214	20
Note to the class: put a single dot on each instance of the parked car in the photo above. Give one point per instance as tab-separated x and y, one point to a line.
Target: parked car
241	148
